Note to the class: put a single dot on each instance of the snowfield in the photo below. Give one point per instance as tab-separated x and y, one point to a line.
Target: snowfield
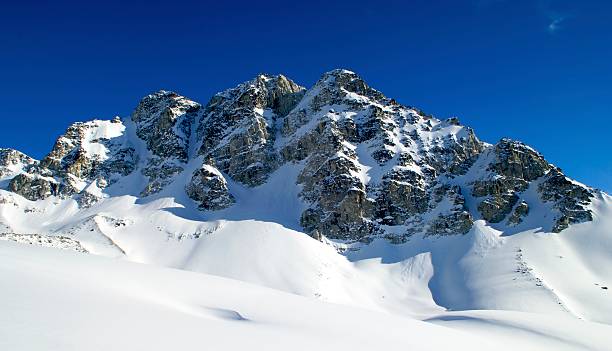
483	290
530	290
60	300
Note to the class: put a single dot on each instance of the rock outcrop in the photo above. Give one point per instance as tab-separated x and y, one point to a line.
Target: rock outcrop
343	128
570	199
13	162
164	121
209	188
520	211
514	166
91	150
34	187
238	127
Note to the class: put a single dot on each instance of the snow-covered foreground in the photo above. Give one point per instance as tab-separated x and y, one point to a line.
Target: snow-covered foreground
60	300
490	288
558	274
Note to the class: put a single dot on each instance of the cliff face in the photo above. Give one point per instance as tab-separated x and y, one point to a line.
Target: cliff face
367	166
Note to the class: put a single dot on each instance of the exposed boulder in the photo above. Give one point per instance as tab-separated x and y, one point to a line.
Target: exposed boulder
34	187
451	224
496	208
521	210
208	187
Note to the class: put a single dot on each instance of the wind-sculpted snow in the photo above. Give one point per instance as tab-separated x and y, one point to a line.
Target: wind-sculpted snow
56	300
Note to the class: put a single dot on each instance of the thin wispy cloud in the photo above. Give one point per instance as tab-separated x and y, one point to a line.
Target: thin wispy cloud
557	19
555	24
546	8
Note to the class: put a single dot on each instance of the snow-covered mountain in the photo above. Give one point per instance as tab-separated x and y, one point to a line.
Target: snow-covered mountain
335	192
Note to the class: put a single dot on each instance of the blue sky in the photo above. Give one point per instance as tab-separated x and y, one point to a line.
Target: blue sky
535	70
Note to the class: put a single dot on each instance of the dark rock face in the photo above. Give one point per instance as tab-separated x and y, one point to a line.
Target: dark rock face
402	194
209	189
519	161
238	127
33	187
496	208
514	167
520	211
338	198
455	218
454	223
571	200
164	121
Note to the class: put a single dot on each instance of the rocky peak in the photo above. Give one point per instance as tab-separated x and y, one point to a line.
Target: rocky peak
367	166
164	120
345	79
282	94
12	160
275	92
95	152
238	127
341	85
517	160
85	146
513	169
341	129
9	157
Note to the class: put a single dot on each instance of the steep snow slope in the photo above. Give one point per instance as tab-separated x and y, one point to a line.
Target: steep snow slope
57	300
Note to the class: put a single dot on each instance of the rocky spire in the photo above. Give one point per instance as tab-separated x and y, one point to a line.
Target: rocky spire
238	126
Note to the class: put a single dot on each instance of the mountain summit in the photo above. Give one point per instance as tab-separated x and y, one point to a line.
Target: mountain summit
362	165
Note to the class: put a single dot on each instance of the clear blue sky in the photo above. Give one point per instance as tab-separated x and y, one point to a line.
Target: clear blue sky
535	70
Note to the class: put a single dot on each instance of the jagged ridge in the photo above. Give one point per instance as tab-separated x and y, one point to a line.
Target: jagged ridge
368	166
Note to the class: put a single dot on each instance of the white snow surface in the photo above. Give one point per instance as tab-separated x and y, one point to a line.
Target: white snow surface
97	130
54	300
531	289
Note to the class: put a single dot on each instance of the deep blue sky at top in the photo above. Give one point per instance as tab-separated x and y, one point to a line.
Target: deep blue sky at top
535	70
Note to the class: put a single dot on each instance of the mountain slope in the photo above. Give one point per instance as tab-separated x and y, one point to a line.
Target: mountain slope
368	167
49	298
334	192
